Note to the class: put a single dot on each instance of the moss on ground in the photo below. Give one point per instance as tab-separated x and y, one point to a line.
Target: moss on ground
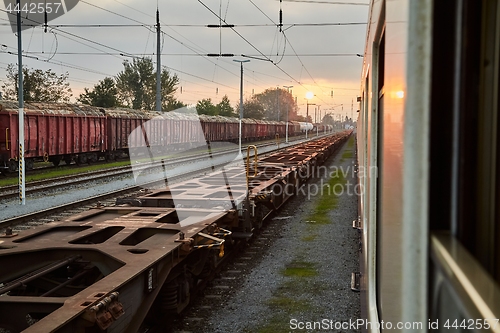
290	298
300	268
309	238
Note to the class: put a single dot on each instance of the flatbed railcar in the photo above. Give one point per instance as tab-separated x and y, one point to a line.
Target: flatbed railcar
428	148
133	266
58	132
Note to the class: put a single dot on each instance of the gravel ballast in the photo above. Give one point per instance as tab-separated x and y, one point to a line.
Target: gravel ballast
300	279
70	193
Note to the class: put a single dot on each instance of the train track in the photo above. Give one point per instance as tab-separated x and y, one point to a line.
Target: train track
12	191
125	239
44	216
39	169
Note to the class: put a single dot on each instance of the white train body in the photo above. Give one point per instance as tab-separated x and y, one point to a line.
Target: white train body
305	126
428	141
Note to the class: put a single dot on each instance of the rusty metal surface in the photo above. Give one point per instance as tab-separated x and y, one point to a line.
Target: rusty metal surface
104	269
123	242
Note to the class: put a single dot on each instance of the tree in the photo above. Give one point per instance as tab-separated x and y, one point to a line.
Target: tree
137	85
38	86
224	108
252	109
205	106
273	98
104	94
328	119
168	89
173	105
302	118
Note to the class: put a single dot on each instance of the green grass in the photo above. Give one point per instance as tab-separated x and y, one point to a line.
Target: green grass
283	308
300	269
289	304
63	171
350	142
328	200
309	238
347	154
290	298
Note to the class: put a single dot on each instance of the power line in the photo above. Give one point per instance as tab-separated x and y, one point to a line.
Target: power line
330	2
278	26
186	25
82	25
71	34
195	54
270	19
121	53
199	77
248	42
112	12
192	49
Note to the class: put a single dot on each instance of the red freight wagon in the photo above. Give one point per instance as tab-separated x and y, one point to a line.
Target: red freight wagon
56	131
293	128
120	123
52	132
233	129
249	131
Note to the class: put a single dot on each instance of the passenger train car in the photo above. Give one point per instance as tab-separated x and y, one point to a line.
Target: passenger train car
429	163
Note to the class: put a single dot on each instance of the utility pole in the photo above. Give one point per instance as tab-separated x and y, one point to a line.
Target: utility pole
352	107
287	112
278	101
22	174
241	101
158	62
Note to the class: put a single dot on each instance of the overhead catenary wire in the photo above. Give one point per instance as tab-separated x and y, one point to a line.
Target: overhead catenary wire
253	46
274	63
194	54
101	25
143	24
330	2
219	63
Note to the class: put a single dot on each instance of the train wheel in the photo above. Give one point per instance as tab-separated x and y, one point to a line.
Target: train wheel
278	195
109	157
92	158
259	216
81	159
56	160
30	163
67	159
12	165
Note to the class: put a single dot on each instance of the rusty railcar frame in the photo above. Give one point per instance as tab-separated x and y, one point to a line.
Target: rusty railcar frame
110	268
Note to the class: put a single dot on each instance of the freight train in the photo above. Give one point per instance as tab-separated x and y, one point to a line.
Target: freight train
66	132
429	162
134	266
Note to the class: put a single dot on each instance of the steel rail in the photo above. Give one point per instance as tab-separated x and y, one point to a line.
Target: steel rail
14	221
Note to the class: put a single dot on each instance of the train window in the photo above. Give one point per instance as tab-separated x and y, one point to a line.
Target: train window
477	204
465	151
464	205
